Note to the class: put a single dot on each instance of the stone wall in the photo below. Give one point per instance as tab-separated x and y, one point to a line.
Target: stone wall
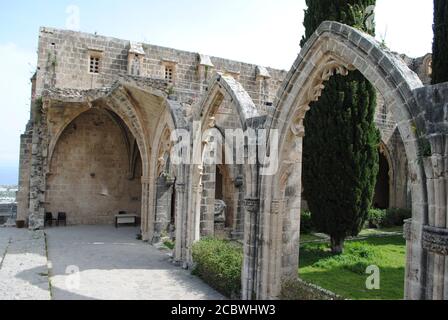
88	176
24	176
64	60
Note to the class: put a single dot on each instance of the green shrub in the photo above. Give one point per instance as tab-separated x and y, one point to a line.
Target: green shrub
356	257
306	223
388	218
169	244
219	263
376	218
396	217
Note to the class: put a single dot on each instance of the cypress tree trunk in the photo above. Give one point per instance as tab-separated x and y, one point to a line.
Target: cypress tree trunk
440	44
340	156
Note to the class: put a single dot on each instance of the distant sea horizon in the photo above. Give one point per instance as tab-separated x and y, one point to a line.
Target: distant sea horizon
9	175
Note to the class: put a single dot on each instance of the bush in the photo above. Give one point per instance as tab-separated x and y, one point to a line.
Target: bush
169	244
356	257
376	218
219	263
396	217
306	223
388	218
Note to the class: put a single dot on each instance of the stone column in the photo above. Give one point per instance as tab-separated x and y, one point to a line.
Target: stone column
435	233
181	224
164	193
207	205
145	209
251	224
147	223
238	219
427	232
193	209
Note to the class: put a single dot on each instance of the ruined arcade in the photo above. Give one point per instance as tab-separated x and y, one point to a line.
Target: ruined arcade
103	125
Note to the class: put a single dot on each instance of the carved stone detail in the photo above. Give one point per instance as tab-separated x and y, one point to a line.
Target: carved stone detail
180	187
212	123
435	240
297	127
252	205
331	67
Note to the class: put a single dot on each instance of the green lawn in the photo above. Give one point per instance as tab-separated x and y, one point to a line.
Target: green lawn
309	237
345	274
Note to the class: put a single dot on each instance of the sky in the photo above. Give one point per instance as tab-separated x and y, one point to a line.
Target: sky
263	32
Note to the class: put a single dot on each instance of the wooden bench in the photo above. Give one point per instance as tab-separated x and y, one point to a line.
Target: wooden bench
125	219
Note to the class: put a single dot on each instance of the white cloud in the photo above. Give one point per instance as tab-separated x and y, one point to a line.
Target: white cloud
16	67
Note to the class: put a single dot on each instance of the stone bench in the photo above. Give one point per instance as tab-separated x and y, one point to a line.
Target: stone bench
126	219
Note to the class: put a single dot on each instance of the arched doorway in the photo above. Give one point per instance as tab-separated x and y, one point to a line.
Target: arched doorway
95	170
333	49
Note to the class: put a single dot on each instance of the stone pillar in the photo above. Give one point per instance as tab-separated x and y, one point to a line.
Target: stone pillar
238	219
251	224
164	193
207	207
427	232
180	254
435	233
147	226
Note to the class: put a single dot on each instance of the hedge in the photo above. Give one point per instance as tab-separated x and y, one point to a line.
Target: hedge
219	264
388	218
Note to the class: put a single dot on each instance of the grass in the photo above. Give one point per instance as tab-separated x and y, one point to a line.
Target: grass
345	274
309	237
169	244
382	231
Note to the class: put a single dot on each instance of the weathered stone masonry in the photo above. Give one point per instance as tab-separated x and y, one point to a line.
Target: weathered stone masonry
100	138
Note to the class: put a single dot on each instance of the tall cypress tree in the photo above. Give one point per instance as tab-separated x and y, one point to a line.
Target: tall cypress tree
440	44
340	156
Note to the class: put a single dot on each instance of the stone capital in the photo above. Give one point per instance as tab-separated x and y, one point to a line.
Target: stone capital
252	205
435	240
146	180
180	187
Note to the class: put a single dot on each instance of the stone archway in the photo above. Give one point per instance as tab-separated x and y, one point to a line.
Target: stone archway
334	48
221	87
137	108
95	170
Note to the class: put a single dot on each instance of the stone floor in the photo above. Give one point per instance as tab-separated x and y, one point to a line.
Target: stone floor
23	265
112	264
88	263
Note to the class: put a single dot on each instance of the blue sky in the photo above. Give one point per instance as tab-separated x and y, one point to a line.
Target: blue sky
265	32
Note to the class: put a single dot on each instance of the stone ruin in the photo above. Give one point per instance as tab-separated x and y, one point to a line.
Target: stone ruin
99	141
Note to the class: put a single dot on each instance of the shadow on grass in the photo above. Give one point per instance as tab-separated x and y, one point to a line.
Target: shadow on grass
346	274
